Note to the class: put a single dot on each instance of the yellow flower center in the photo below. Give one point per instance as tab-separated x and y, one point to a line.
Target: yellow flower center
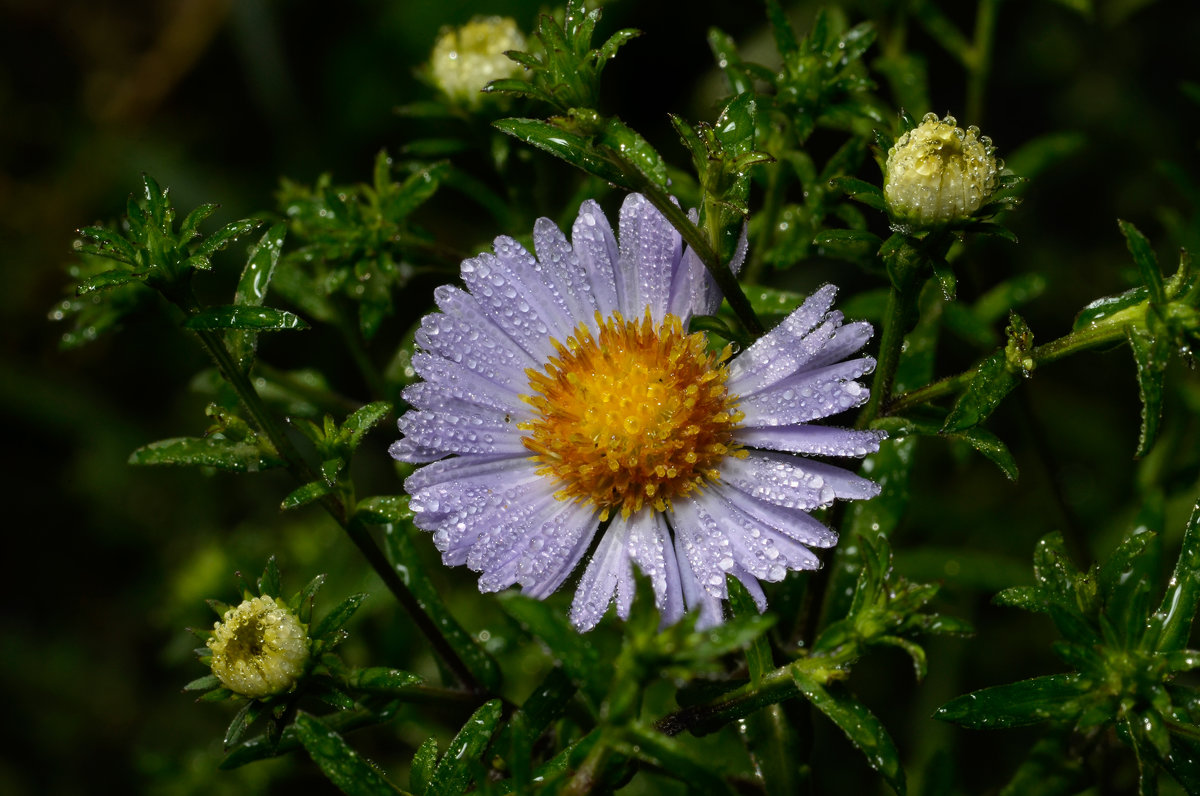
258	648
636	415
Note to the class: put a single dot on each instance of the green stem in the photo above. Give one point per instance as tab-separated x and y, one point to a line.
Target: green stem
890	344
1110	330
298	467
981	59
769	217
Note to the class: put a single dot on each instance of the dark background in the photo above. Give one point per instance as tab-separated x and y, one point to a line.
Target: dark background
104	564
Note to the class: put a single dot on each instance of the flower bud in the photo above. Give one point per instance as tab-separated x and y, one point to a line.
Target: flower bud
466	59
258	648
938	173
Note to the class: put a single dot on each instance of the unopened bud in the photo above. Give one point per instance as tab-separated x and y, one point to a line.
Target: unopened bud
466	59
938	173
258	648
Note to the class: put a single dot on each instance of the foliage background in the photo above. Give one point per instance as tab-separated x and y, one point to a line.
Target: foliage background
106	564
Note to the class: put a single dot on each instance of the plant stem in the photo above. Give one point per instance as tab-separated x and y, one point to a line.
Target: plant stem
890	343
1111	330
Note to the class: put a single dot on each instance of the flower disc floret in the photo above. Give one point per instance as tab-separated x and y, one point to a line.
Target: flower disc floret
466	59
259	648
635	415
938	173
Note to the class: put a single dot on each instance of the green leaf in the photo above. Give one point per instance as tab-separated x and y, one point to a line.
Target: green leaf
363	419
252	290
861	726
383	510
302	496
423	764
205	683
241	457
1150	354
403	555
338	616
108	279
269	582
992	382
1104	308
381	679
617	136
861	191
259	319
414	191
344	767
1056	696
574	149
724	50
225	236
453	774
1178	607
1146	262
993	448
242	721
265	746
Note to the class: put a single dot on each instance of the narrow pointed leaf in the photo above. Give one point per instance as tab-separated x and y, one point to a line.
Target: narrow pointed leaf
242	721
225	236
991	383
636	150
1178	607
206	683
259	319
672	755
302	496
861	726
575	149
241	457
1150	354
337	617
381	679
344	767
423	764
461	760
1056	696
106	280
363	419
1146	261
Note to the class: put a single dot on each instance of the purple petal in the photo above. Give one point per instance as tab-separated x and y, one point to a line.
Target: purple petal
783	350
510	304
474	430
596	247
558	264
608	574
808	395
472	317
478	346
816	440
450	379
650	252
792	482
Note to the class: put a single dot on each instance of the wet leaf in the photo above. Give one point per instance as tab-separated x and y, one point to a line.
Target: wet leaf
306	494
461	761
1056	696
338	616
1146	262
1150	354
1178	607
381	679
423	764
991	383
344	767
259	319
224	454
860	725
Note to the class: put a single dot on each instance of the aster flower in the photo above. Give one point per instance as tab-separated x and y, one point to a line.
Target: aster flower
564	398
939	173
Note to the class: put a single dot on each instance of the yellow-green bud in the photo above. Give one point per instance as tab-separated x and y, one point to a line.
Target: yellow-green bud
937	173
466	59
258	648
